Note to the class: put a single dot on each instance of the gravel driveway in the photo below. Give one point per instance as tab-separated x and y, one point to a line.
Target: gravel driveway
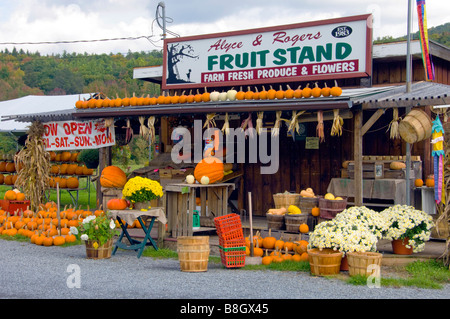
33	272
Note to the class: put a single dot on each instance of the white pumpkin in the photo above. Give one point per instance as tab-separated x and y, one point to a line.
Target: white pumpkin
231	94
190	179
214	96
222	96
204	180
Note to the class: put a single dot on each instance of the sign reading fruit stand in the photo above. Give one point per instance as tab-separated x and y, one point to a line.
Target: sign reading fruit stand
66	135
311	51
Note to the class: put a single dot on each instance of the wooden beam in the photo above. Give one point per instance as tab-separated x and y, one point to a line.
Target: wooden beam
357	157
375	116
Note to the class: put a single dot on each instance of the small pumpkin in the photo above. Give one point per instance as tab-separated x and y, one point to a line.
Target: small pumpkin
307	91
183	98
429	181
231	94
298	92
418	182
198	97
206	96
117	204
325	90
190	98
211	167
316	91
289	93
279	94
271	94
249	94
113	176
263	94
336	90
240	95
72	182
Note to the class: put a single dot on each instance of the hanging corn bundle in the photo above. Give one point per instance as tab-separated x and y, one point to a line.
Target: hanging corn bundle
319	129
276	126
128	132
393	126
151	128
143	130
34	162
259	122
109	123
248	123
210	122
293	125
226	125
338	122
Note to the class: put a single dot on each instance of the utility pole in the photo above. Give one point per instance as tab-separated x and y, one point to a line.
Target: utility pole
162	5
408	108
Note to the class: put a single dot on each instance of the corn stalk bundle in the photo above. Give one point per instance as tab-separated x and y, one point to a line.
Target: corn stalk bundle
151	128
293	124
319	129
338	122
144	131
259	122
34	160
226	125
210	122
393	126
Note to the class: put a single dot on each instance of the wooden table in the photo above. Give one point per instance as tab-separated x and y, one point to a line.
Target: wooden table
383	189
180	199
128	216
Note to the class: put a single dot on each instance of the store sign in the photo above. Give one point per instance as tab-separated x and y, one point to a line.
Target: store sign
329	49
67	135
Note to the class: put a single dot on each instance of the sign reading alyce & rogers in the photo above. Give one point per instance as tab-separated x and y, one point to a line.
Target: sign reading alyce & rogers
329	49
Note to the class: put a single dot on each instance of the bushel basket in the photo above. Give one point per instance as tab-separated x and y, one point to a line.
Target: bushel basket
359	262
285	199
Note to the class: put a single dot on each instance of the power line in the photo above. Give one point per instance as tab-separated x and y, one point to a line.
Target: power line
77	41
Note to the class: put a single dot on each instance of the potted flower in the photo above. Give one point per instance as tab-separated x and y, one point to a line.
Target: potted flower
97	233
140	191
407	226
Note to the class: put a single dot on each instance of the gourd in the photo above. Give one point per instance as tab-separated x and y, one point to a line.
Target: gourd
211	167
335	90
204	180
190	179
397	165
117	204
277	211
223	96
294	210
307	193
329	196
112	176
214	96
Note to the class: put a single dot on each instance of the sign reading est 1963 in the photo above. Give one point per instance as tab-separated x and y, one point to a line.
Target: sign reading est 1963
329	49
66	135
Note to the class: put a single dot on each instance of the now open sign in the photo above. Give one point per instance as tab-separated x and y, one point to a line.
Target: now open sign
69	135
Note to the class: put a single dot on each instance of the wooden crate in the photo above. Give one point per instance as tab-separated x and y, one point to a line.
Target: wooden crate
110	193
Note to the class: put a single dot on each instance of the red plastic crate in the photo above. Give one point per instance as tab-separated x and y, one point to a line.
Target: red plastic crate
233	257
230	243
16	207
227	223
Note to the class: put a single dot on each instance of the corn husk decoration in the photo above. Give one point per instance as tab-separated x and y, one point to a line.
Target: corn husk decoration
128	132
109	122
293	124
276	126
33	178
210	122
248	123
393	126
338	122
144	131
151	128
259	122
226	125
319	129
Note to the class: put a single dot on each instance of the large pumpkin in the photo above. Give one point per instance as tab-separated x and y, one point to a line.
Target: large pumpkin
113	176
211	167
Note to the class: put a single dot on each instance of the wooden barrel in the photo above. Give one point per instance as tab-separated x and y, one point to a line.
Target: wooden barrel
415	127
358	262
275	222
306	204
293	222
324	262
193	253
329	208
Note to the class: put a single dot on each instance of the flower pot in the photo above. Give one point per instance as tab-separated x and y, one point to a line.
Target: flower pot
101	252
399	247
142	205
344	263
324	262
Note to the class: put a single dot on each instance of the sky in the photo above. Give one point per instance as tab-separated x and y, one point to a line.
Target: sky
36	21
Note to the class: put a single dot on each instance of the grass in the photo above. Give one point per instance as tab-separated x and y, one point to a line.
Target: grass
431	274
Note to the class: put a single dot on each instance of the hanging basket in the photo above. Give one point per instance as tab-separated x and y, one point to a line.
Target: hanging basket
358	262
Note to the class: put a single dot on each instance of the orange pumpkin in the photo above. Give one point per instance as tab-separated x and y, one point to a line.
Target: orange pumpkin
117	204
249	94
271	93
325	90
429	182
298	92
418	182
316	91
72	182
263	94
113	177
211	167
10	195
315	211
289	93
240	95
279	94
335	90
307	91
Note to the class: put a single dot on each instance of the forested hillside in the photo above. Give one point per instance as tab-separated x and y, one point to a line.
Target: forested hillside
24	73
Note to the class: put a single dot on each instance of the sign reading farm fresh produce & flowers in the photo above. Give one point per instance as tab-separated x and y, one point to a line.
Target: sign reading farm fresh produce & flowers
329	49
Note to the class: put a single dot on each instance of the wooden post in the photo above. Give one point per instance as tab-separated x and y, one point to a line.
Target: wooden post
357	157
251	223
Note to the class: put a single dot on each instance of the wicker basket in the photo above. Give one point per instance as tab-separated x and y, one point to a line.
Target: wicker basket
330	208
324	262
358	262
285	199
101	252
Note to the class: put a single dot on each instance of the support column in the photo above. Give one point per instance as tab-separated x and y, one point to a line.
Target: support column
357	157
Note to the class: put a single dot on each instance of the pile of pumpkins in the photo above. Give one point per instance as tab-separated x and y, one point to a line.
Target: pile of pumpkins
280	249
9	168
68	166
215	96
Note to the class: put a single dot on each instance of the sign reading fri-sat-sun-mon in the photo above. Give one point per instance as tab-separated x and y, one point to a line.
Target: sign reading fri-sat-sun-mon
67	135
329	49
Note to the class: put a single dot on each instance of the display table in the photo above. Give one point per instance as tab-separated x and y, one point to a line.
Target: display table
427	200
383	189
127	216
180	202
